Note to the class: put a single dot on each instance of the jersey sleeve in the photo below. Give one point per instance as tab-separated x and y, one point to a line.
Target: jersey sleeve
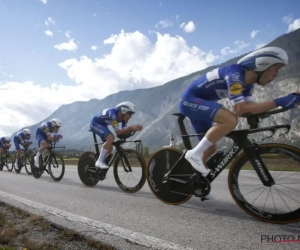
114	119
124	124
46	127
248	93
235	80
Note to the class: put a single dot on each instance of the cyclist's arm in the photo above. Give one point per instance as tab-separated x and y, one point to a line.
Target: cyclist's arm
124	131
249	106
254	108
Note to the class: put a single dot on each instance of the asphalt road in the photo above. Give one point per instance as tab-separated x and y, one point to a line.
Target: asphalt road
140	220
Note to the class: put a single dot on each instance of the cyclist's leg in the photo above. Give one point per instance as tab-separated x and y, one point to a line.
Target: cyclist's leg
108	138
201	127
18	149
208	111
43	144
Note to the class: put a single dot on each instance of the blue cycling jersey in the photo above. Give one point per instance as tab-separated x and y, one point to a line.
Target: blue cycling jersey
109	117
46	128
220	83
21	136
198	102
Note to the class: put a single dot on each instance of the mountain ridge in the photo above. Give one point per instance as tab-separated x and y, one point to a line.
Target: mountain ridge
155	105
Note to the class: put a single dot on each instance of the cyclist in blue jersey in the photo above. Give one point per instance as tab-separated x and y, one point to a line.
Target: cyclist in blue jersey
236	82
112	116
43	135
22	138
4	145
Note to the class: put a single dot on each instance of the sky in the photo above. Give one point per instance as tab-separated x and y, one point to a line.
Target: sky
55	52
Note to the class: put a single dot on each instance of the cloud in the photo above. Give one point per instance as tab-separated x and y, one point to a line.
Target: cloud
164	24
44	1
253	33
68	34
134	61
239	46
294	25
188	27
49	21
70	45
94	47
287	19
48	32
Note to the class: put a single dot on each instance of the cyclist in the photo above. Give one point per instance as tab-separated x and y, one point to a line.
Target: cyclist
112	116
4	146
43	135
22	138
235	82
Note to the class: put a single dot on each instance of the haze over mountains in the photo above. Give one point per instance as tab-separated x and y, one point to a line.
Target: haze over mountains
155	105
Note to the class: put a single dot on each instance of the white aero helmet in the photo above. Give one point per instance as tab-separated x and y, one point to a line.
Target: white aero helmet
261	59
7	138
27	131
55	122
125	107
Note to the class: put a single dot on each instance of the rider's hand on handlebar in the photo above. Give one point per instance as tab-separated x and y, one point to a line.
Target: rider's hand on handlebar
137	127
290	101
58	136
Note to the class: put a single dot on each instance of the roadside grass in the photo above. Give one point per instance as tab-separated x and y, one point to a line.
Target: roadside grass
22	230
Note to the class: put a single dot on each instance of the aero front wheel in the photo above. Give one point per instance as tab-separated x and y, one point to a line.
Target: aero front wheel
279	203
130	171
172	192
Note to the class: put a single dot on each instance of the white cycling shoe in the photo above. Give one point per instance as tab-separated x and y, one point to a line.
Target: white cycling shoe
101	165
196	163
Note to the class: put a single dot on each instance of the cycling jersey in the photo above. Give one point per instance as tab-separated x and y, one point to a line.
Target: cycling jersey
4	143
198	102
20	138
101	121
43	131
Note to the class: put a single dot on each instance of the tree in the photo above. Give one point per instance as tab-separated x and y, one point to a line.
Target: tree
145	151
181	146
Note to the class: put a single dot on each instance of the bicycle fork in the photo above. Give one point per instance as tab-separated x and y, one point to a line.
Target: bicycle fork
259	166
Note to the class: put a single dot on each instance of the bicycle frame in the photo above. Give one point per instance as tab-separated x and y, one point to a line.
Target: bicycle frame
51	153
241	142
119	151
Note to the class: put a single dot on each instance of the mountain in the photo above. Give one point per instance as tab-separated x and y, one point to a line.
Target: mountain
155	105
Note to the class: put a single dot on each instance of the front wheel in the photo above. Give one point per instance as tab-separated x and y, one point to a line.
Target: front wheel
130	170
278	203
9	162
161	162
26	161
56	167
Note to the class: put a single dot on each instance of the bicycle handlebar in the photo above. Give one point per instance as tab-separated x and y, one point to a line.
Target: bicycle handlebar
253	119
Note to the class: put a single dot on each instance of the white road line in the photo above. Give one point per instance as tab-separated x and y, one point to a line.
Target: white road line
102	227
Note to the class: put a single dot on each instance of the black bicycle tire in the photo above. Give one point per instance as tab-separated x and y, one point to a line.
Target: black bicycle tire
143	178
81	169
53	157
247	207
28	166
12	163
180	199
